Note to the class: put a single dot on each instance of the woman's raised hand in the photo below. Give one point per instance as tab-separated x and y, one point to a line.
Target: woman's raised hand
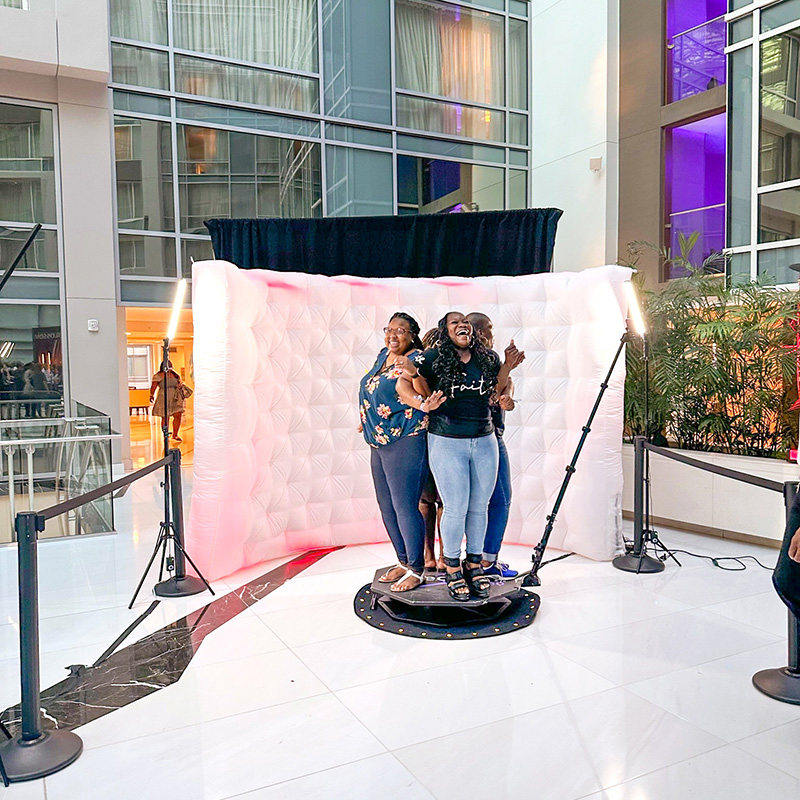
514	357
433	402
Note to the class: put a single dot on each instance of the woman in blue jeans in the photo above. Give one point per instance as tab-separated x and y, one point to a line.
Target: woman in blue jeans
396	434
462	447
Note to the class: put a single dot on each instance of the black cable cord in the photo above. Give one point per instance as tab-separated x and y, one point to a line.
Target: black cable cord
557	558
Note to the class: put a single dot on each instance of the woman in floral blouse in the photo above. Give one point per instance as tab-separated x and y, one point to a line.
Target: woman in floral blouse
396	434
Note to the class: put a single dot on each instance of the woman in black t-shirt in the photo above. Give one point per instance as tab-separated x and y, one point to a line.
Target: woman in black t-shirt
462	448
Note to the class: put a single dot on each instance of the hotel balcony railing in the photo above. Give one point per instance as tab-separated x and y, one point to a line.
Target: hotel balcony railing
696	60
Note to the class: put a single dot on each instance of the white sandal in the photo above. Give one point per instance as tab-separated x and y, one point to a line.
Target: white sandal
408	574
384	579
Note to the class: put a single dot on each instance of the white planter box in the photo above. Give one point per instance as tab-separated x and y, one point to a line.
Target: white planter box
687	498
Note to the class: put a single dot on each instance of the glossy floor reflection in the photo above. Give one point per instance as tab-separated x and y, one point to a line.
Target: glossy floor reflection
624	687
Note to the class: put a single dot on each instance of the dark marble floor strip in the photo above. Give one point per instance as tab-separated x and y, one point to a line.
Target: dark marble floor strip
154	662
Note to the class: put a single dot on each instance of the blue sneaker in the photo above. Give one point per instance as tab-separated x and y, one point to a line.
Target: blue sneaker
500	570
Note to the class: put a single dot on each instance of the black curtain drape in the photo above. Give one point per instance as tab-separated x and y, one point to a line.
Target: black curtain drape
419	246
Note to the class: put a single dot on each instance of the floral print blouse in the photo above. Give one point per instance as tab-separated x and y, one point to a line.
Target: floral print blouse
384	416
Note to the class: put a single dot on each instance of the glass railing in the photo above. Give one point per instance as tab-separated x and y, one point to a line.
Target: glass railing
46	460
709	222
696	60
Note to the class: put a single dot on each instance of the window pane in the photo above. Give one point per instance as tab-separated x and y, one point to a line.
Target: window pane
12	3
359	182
245	84
195	250
147	255
27	173
228	174
696	60
143	150
739	268
141	103
518	129
454	119
741	29
139	67
779	150
517	64
439	147
518	7
357	67
518	157
740	146
780	14
775	264
694	185
428	186
342	133
450	51
142	20
517	189
281	33
779	215
30	341
41	256
245	118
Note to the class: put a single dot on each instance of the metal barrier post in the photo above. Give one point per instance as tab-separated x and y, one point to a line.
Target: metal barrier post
784	683
33	753
180	584
637	560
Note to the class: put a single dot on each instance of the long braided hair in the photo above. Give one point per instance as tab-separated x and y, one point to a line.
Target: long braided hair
413	325
447	366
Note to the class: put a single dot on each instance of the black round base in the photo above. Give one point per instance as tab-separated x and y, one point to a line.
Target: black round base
642	564
179	587
445	621
780	684
52	751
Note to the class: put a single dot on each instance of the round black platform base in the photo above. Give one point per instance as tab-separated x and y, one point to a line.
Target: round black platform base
52	751
179	587
779	684
641	564
445	621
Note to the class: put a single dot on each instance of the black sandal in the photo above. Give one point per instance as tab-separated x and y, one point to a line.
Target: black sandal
478	583
457	586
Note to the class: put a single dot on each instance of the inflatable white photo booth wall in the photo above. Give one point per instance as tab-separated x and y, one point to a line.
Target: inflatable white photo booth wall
279	466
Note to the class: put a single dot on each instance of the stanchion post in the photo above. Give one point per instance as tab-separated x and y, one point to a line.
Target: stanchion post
784	683
33	753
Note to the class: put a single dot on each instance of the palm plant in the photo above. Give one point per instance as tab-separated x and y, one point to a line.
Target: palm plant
723	361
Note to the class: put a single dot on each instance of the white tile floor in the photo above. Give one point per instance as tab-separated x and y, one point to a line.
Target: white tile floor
626	687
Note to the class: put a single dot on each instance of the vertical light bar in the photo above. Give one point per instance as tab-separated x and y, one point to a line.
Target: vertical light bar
180	292
634	311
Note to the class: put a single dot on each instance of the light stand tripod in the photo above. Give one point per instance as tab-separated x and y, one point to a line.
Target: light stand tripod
637	560
171	529
532	577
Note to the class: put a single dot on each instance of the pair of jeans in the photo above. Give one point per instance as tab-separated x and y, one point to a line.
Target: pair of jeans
399	471
499	506
465	471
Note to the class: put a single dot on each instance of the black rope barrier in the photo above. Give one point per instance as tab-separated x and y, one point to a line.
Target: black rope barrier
87	497
753	480
35	753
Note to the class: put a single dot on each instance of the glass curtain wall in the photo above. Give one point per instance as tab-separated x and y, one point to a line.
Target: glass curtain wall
764	153
304	108
31	369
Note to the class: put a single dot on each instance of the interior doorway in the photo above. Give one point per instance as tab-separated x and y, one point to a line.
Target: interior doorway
144	332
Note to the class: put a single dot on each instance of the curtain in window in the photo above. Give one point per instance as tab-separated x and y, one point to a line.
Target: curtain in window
450	51
282	33
140	20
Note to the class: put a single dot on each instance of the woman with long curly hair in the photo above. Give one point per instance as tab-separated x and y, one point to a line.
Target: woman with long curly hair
462	448
396	434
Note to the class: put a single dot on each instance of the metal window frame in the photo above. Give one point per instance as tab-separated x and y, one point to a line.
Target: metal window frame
321	118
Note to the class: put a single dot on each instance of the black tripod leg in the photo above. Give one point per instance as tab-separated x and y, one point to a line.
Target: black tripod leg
5	731
194	567
160	542
3	775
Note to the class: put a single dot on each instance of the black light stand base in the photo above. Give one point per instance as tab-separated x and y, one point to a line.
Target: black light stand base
179	587
52	751
639	564
780	684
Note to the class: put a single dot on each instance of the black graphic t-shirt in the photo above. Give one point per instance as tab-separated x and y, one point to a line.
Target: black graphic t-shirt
465	414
